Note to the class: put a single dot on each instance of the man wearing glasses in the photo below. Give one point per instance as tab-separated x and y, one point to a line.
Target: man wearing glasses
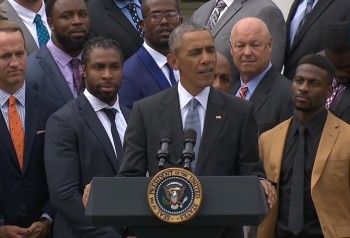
147	72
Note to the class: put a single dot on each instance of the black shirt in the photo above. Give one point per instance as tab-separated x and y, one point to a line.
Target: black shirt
313	133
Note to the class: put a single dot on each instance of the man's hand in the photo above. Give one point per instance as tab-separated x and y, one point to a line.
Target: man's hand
86	194
13	232
270	192
40	229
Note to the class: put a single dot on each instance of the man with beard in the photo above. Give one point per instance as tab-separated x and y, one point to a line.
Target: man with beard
55	69
336	46
84	140
309	157
147	72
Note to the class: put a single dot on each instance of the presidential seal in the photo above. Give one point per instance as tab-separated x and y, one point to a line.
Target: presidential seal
174	195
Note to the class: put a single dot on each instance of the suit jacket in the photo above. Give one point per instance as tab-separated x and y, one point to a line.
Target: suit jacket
330	177
272	100
228	145
266	10
9	12
309	38
24	194
114	25
342	108
77	149
141	78
44	76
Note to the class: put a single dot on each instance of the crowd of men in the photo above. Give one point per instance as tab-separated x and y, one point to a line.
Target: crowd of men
87	89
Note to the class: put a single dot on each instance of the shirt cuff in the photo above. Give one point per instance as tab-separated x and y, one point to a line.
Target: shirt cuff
47	216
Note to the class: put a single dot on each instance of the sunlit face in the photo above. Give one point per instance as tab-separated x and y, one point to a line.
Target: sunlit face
222	74
103	74
251	49
341	64
69	24
196	61
310	89
13	61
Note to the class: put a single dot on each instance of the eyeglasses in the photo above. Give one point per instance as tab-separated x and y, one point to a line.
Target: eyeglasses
157	17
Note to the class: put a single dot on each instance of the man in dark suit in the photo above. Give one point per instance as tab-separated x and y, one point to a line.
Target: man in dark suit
146	72
25	210
23	13
260	82
265	10
109	20
336	45
229	142
51	69
81	142
307	39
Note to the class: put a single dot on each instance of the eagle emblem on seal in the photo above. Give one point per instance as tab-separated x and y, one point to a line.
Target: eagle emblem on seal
174	195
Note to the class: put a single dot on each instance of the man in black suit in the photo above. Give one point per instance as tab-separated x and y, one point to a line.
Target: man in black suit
262	83
25	210
336	45
112	19
50	69
229	142
307	39
82	142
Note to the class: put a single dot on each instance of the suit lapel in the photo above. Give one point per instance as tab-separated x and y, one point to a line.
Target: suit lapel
89	115
215	117
153	68
171	119
328	138
228	14
49	66
31	126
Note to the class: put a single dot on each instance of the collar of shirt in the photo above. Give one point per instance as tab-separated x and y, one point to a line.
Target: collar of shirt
228	3
20	95
253	83
123	3
313	127
27	15
97	104
61	57
160	59
185	97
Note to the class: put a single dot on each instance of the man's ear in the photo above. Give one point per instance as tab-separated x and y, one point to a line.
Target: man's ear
172	61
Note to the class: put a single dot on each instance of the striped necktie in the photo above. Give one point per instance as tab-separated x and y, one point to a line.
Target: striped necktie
219	6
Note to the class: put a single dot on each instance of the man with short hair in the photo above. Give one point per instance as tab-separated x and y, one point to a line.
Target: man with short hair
147	72
25	209
85	138
309	157
260	82
222	73
55	69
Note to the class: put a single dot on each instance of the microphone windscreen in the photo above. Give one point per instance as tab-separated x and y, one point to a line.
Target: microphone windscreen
166	135
190	134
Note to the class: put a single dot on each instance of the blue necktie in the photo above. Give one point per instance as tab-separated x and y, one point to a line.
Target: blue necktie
135	17
307	10
41	31
192	121
171	75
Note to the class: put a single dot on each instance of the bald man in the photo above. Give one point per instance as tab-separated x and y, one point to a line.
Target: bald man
260	82
222	73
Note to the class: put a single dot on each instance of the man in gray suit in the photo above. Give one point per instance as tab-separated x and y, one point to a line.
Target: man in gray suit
51	68
265	10
263	85
81	142
23	13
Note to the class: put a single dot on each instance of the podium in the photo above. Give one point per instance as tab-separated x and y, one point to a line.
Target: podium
226	201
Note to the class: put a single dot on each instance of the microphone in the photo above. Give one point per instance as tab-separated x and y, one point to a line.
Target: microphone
163	153
188	155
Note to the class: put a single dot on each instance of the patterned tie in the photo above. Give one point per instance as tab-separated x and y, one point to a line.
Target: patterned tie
76	75
296	210
338	90
307	10
135	17
16	130
192	121
117	142
41	31
219	6
243	91
171	75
